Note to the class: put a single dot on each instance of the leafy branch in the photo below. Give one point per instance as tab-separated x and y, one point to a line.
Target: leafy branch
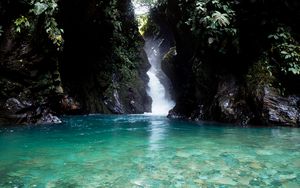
48	10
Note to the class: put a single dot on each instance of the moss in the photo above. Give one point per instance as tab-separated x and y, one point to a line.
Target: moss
170	54
260	75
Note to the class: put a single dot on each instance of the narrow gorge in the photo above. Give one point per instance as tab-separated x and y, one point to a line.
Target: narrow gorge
149	93
227	61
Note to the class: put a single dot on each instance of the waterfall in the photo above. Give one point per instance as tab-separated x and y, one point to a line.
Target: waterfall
161	98
159	84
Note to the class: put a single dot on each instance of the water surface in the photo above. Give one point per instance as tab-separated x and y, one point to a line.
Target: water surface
147	151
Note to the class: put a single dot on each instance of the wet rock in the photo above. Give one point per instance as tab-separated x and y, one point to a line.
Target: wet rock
245	180
229	104
264	152
255	166
68	105
49	119
109	64
255	182
223	181
199	182
278	109
16	111
287	177
14	105
174	114
183	154
168	65
114	104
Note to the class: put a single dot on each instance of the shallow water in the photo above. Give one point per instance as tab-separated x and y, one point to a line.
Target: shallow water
148	151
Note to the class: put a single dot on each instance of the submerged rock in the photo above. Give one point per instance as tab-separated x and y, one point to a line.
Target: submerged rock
223	181
287	177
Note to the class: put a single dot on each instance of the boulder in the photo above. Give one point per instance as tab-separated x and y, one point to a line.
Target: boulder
16	111
280	110
229	103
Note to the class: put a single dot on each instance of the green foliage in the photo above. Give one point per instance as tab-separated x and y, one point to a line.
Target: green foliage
124	44
39	8
124	62
112	13
146	25
287	51
54	33
142	22
21	23
213	15
46	9
170	54
260	75
49	8
210	20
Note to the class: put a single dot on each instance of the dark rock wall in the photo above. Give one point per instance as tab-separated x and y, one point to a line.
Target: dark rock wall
226	81
102	48
101	69
29	76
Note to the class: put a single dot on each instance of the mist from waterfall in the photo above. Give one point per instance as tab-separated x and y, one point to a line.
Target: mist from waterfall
159	85
161	97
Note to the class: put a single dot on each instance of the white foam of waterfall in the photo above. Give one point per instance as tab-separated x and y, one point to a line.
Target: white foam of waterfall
161	100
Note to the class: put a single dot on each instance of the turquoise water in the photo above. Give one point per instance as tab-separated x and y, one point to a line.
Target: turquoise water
148	151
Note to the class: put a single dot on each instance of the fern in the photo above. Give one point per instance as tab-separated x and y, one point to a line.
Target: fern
221	19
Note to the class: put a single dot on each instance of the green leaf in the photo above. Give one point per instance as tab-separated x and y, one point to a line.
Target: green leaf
18	30
221	19
39	8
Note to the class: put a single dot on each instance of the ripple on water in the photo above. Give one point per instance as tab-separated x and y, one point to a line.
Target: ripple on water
147	151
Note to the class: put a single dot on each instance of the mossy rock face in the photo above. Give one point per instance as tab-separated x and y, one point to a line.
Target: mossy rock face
168	63
266	96
102	67
230	104
112	64
256	56
128	97
30	77
259	76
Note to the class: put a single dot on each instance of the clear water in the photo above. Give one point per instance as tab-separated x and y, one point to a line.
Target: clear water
148	151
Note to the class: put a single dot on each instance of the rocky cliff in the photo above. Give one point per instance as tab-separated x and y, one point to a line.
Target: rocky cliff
234	61
62	57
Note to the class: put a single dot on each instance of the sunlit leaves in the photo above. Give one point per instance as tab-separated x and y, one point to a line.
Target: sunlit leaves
54	33
210	20
39	8
21	23
48	8
221	19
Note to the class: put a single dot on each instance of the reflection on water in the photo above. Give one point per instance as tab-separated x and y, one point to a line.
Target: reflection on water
148	151
157	134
